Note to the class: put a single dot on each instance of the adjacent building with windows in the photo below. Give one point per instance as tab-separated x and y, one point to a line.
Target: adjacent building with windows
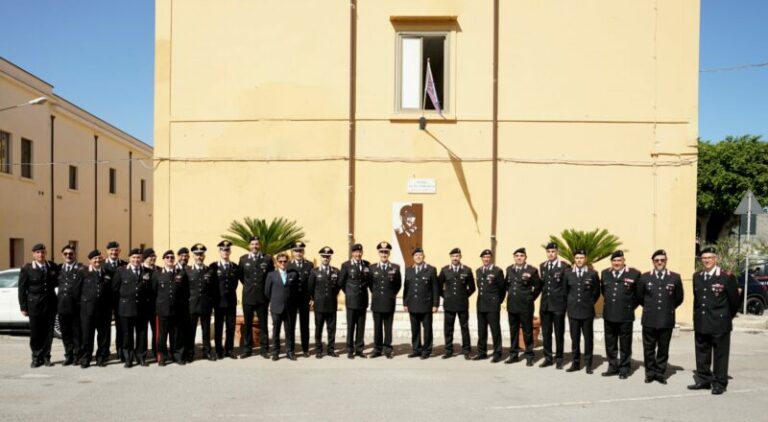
66	176
554	115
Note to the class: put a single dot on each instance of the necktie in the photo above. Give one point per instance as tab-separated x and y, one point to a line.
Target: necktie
615	274
549	267
659	274
136	271
707	276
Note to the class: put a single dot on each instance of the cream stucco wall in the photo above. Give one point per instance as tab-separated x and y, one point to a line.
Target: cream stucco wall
25	203
597	123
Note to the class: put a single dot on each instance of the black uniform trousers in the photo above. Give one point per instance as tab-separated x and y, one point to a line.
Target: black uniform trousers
522	320
41	335
582	327
205	326
618	345
301	310
278	320
70	334
449	321
134	338
100	325
355	330
224	318
707	345
421	321
382	331
656	350
170	329
328	319
261	312
553	322
484	321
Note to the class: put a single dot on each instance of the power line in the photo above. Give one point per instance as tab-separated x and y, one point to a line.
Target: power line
732	68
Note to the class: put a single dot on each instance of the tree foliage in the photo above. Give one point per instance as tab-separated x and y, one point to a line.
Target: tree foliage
726	170
598	244
277	236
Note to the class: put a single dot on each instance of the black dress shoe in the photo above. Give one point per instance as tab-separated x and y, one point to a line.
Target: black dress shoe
559	365
305	354
245	355
122	358
545	364
275	357
496	359
610	373
661	379
447	356
319	355
143	362
181	362
375	354
35	364
47	362
623	376
467	357
211	357
219	355
230	355
480	357
128	364
361	355
292	357
529	362
699	386
161	363
388	355
414	354
718	390
333	354
512	359
422	357
573	368
265	355
589	370
350	355
69	360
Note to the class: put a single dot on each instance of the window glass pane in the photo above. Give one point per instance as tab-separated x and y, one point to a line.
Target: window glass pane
410	74
26	158
5	152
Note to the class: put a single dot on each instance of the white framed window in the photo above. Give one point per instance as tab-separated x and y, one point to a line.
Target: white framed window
414	49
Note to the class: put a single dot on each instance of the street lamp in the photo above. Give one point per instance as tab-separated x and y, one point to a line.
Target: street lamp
36	101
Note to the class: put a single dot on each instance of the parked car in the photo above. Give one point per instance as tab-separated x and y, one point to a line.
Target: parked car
10	312
757	298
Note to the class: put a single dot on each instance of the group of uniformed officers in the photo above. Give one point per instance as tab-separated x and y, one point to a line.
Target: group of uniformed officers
170	300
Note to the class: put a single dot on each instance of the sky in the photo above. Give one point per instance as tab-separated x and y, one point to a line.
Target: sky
100	55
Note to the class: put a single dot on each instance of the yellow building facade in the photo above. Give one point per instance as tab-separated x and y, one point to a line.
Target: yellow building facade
555	115
66	176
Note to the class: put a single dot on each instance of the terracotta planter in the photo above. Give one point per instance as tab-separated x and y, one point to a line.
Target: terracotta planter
536	331
239	322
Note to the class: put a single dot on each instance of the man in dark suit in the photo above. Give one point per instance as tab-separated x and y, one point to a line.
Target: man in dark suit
421	297
619	289
299	305
37	300
583	286
523	285
324	291
69	282
225	274
111	264
254	267
386	282
354	279
490	294
170	287
95	311
552	306
280	286
132	284
660	292
202	297
457	284
715	303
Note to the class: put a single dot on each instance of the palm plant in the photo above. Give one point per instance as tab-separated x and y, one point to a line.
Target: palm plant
276	236
598	244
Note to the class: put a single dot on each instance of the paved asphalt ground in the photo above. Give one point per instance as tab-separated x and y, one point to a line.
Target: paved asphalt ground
401	389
